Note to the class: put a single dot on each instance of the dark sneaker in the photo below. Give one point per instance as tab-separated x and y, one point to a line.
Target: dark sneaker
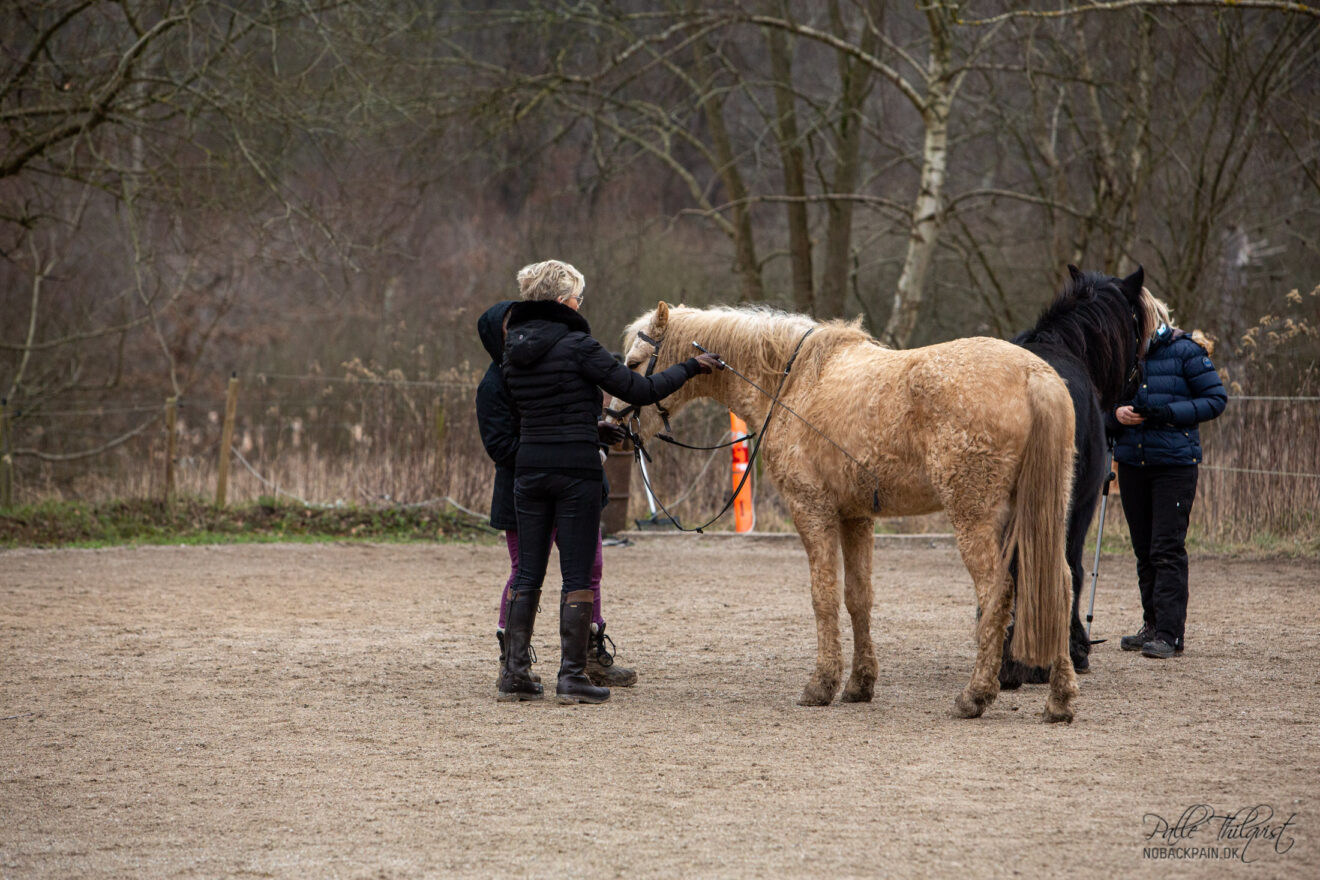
1138	640
1159	649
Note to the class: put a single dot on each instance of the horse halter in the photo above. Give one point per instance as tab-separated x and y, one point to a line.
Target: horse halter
759	436
1134	374
634	410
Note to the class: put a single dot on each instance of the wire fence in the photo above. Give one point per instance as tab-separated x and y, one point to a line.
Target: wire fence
372	440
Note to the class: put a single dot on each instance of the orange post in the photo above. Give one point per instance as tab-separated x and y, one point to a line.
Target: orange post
744	512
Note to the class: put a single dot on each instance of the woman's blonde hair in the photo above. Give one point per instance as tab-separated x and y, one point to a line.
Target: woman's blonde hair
550	279
1161	310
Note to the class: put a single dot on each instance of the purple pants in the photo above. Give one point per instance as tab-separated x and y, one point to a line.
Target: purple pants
511	540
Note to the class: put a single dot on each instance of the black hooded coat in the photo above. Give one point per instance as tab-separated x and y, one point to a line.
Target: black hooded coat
497	417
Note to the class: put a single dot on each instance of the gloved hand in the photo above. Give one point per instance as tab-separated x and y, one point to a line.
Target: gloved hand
609	433
708	362
1155	413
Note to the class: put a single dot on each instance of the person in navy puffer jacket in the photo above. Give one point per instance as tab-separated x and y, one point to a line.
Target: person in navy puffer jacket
1158	450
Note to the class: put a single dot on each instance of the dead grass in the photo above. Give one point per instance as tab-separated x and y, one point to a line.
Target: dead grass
383	444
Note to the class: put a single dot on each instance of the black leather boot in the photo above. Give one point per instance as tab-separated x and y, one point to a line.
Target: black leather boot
516	677
504	653
601	668
574	630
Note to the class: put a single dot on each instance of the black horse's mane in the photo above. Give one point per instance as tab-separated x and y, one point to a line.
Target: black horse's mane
1092	320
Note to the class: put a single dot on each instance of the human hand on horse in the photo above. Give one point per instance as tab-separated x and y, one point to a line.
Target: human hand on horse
609	433
708	362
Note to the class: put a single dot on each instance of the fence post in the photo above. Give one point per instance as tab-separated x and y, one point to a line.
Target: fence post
6	459
171	444
226	440
439	444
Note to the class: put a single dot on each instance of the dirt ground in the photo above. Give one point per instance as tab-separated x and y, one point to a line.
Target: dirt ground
328	711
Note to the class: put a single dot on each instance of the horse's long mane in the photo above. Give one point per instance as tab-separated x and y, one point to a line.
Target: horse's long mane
754	338
1093	320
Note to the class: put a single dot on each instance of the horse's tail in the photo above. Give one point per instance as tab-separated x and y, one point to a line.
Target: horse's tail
1038	526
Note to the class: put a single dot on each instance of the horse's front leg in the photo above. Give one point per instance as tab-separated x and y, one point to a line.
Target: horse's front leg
820	537
858	548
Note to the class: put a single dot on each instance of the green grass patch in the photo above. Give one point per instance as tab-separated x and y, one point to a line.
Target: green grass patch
194	521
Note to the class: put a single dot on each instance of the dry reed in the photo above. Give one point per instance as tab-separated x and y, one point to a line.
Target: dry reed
376	443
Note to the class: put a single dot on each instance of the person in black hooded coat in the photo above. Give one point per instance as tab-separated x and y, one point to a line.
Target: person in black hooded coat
555	371
498	422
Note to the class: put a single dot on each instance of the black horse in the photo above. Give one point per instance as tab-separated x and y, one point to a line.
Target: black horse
1092	336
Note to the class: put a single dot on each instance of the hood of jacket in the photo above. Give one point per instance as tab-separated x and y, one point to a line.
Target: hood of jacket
490	327
535	326
1167	335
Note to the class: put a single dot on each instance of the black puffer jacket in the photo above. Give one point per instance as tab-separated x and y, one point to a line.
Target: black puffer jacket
497	418
555	372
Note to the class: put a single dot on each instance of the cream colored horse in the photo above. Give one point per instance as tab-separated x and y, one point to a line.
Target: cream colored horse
979	428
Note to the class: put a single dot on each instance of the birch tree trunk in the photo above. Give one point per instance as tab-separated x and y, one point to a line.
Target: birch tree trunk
927	216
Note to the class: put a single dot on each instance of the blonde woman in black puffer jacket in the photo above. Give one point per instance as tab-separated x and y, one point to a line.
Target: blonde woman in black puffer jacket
555	371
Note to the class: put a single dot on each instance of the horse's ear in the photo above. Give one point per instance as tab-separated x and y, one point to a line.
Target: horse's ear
1074	273
661	318
1133	283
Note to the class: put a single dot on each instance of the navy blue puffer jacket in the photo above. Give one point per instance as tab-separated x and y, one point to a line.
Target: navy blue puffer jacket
1178	374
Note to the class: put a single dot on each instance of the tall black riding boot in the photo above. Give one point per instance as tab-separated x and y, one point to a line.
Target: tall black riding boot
574	630
516	678
504	651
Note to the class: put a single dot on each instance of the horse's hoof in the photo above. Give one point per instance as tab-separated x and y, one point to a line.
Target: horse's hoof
1054	716
856	694
816	695
969	707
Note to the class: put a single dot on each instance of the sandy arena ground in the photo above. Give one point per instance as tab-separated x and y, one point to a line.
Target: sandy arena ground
328	711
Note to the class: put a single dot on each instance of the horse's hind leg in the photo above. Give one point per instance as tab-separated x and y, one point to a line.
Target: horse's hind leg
1063	690
858	547
820	537
979	546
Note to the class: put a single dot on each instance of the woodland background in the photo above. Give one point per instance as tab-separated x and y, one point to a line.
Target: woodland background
321	196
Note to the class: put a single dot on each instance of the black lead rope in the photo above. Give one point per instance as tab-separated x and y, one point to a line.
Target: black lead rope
639	450
679	443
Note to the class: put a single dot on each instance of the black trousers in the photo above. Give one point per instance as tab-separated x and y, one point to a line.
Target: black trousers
1157	502
545	501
